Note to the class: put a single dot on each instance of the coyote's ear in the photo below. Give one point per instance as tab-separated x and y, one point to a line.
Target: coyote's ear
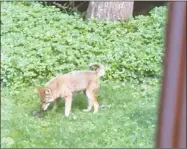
41	92
35	90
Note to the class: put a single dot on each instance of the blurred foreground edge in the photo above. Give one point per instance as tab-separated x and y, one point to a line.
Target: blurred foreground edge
171	128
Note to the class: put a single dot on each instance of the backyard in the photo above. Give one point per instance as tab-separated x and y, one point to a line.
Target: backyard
39	42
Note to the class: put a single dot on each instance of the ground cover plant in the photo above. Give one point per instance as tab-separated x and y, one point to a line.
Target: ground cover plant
39	42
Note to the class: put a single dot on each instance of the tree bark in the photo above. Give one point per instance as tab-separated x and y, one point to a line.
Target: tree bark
110	10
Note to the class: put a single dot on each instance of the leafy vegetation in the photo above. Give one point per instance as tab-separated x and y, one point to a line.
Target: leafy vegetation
42	41
39	41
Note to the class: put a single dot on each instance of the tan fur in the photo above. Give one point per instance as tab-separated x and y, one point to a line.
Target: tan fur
68	84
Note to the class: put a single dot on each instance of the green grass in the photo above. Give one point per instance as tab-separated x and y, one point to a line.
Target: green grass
127	120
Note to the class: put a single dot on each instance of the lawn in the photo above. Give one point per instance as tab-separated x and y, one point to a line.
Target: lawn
128	119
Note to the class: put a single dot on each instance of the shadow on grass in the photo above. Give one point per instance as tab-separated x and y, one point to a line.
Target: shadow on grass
80	102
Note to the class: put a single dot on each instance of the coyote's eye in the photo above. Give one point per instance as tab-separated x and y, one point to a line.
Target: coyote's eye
47	91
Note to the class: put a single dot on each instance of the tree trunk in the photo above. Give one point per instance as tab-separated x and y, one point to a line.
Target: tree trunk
110	10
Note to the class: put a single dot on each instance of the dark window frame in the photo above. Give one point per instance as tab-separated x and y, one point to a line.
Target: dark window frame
171	127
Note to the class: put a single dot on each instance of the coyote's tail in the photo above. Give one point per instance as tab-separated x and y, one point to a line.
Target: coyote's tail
100	69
